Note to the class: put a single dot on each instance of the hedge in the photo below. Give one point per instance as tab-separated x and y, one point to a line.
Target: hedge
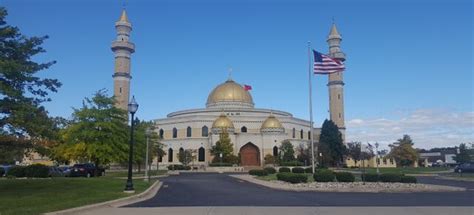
258	172
324	176
16	171
220	164
2	171
291	163
308	170
345	177
292	177
297	170
37	171
178	167
390	177
284	169
270	170
370	177
408	179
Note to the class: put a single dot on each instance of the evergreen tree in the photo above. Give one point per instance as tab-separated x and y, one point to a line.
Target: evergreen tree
97	133
25	124
331	144
224	146
287	153
403	152
463	156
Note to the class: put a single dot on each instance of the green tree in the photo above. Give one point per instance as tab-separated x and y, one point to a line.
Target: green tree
287	153
355	151
463	156
331	145
187	156
97	132
24	121
223	146
403	152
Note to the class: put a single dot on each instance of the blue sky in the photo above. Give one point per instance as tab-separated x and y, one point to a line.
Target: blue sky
409	63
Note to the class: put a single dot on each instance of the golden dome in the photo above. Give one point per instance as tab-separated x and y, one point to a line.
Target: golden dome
229	93
272	122
223	122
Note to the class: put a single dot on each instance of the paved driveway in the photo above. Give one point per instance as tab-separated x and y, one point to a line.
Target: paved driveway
212	189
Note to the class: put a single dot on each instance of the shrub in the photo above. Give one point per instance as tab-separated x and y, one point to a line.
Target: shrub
370	177
390	177
220	164
270	170
16	171
178	167
324	176
2	171
345	177
308	170
291	163
284	169
297	170
258	172
37	171
292	177
408	179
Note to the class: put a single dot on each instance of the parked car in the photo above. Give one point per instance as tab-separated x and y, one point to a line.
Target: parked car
54	171
86	170
66	170
5	169
465	167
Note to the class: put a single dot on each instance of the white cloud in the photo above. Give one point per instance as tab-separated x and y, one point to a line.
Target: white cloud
427	127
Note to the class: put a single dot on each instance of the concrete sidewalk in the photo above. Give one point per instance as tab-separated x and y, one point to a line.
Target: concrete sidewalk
286	210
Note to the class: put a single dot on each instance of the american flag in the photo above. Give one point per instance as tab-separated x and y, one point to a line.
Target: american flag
326	65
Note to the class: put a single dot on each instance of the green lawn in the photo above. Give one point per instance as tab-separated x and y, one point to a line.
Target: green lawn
405	170
35	196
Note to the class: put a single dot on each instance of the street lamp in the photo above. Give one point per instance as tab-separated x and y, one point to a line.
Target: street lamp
377	160
132	108
147	166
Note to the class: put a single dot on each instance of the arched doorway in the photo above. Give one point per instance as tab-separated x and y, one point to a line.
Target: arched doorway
249	155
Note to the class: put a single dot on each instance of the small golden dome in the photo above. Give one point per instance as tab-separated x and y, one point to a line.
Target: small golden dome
223	122
230	93
272	122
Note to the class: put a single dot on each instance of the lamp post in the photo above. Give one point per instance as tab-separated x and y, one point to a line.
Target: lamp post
321	157
220	156
132	108
147	166
377	160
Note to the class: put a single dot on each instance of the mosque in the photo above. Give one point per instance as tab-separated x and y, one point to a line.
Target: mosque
254	132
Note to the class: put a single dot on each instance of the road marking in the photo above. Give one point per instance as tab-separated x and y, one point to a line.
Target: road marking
241	181
165	186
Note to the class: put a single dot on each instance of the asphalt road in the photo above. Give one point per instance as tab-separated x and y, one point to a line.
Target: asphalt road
212	189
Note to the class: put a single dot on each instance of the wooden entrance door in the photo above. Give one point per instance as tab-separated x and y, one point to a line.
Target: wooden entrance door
249	155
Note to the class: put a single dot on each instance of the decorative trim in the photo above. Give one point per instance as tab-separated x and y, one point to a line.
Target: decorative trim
122	74
335	83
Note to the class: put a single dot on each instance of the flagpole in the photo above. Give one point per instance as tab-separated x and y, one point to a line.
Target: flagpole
310	107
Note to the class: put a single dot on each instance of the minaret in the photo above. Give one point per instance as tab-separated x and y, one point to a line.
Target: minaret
122	49
335	81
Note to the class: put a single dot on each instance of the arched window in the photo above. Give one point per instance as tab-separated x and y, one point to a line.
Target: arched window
275	151
170	155
161	133
205	131
243	129
181	150
189	132
309	135
160	159
294	133
175	133
301	134
201	154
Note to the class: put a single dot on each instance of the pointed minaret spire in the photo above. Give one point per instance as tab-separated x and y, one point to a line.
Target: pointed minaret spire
123	17
334	33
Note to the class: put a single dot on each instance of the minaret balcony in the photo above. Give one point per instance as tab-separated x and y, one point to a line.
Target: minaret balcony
123	45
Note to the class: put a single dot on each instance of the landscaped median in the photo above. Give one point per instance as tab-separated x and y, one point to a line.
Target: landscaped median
36	196
329	181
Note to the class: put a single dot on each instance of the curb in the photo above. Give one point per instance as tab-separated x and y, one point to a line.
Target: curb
145	195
